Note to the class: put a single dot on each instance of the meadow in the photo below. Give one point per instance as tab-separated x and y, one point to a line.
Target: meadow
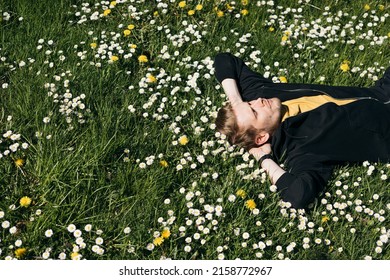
108	148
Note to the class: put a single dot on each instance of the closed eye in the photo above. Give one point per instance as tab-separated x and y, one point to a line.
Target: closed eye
254	112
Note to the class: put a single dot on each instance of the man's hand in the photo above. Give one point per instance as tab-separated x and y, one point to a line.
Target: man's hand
258	152
273	170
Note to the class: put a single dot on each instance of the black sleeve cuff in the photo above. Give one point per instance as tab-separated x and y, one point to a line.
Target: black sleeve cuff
264	157
284	181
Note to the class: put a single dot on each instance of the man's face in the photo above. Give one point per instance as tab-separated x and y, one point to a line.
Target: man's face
263	114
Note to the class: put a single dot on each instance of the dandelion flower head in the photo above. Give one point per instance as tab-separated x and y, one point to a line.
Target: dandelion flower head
250	204
114	58
165	233
183	140
345	66
182	4
20	252
25	201
283	79
143	58
158	241
241	193
19	162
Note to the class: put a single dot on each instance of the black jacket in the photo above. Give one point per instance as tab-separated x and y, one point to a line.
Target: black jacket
312	143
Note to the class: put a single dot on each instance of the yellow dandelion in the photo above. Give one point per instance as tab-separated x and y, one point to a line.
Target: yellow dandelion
19	162
165	233
220	13
381	7
113	3
158	241
143	59
388	34
114	58
131	26
244	2
126	32
250	204
199	7
229	7
271	29
25	201
284	38
367	7
20	252
155	13
324	219
344	67
283	79
182	4
151	79
106	12
164	163
191	12
244	12
183	140
133	46
93	45
241	193
74	256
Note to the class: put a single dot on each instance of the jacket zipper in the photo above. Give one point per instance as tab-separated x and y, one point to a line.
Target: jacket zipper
324	93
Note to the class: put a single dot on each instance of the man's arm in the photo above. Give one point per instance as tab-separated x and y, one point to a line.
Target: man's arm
273	170
302	183
300	189
248	85
231	90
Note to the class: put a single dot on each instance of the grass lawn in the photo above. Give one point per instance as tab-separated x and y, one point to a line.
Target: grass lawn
108	148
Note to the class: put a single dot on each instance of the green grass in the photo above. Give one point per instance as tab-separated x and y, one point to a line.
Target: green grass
91	172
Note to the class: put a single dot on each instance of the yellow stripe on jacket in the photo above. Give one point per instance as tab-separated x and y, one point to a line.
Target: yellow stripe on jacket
300	105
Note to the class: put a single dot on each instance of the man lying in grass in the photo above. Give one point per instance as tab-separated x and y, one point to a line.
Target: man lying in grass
311	128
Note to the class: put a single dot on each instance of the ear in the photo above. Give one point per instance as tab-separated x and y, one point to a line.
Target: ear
262	138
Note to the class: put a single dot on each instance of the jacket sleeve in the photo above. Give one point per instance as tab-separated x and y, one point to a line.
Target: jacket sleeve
302	184
229	66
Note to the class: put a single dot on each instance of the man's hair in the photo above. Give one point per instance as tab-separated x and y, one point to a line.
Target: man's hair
226	123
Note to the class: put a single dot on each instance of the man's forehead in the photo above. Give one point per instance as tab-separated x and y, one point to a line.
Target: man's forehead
241	108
